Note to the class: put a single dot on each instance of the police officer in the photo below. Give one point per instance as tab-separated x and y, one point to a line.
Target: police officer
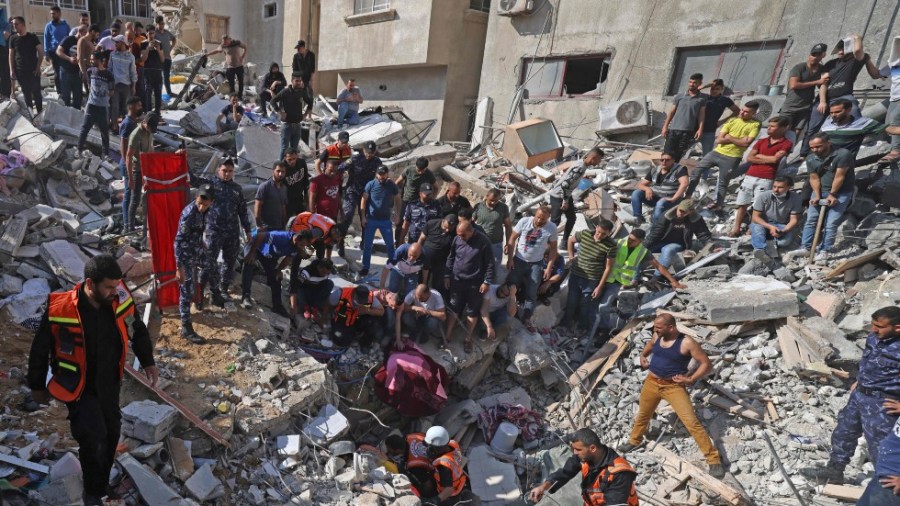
865	413
223	232
606	478
360	169
83	340
450	479
191	254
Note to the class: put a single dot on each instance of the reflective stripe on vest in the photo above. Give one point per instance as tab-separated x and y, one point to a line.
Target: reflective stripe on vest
307	221
451	461
69	357
626	266
594	495
338	153
418	452
345	308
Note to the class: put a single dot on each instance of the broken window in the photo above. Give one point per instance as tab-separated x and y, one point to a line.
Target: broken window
63	4
743	67
216	27
480	5
133	8
366	6
566	76
270	10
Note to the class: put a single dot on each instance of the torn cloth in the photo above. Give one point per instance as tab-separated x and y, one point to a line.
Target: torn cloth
529	422
412	382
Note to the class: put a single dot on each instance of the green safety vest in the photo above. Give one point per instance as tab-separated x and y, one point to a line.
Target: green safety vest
626	266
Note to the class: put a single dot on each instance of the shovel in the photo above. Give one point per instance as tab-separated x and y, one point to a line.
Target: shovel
823	210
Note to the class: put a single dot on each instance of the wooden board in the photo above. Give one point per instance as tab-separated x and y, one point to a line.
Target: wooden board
621	342
855	262
843	492
722	402
600	356
676	466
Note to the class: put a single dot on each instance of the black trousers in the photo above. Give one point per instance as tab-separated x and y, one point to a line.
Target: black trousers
231	74
556	214
153	84
5	82
366	330
270	266
31	88
678	142
96	425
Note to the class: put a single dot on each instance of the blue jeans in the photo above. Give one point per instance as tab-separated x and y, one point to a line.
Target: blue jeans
497	250
667	254
833	220
71	90
400	284
498	316
94	115
422	326
708	141
290	137
167	71
126	197
759	235
605	316
876	495
529	274
387	233
314	295
579	303
660	206
346	116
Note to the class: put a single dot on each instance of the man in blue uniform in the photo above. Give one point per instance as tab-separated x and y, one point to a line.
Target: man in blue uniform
360	169
191	254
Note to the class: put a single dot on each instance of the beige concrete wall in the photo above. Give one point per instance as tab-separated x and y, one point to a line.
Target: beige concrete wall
464	52
264	37
643	35
36	16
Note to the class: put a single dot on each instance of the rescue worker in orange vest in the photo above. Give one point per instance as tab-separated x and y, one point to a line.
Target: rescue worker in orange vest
449	477
411	456
322	242
606	478
340	151
356	316
83	340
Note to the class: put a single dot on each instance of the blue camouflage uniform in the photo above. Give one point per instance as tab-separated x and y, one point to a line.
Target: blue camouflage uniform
190	254
418	215
223	234
359	171
879	379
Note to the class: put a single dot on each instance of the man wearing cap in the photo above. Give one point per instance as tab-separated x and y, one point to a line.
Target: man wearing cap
468	276
304	62
348	101
410	181
235	51
124	71
270	247
435	241
360	169
55	31
419	212
675	231
190	255
803	81
379	199
229	215
340	151
356	316
290	100
140	141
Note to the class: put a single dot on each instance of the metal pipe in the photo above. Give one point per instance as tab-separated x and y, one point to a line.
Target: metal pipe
784	473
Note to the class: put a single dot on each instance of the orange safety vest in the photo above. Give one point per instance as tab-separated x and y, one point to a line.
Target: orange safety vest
594	496
69	358
308	221
338	153
452	461
345	308
418	452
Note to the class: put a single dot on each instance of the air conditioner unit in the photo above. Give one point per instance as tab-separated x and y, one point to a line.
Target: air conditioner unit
768	105
515	7
625	116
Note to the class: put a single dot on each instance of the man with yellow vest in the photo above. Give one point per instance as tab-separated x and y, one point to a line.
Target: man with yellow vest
606	478
449	477
83	341
411	456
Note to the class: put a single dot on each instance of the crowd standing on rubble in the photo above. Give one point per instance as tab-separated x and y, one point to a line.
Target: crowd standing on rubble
445	257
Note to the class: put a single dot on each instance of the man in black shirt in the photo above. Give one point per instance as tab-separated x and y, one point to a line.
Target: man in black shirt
305	63
25	55
87	372
70	74
435	241
153	56
452	202
297	181
290	101
469	274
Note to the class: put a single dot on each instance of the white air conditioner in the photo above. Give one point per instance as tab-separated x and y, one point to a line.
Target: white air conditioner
625	116
768	105
515	7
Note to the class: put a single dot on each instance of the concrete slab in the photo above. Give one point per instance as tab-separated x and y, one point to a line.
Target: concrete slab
40	149
827	305
204	485
847	351
259	145
747	298
148	421
437	156
329	425
153	490
466	180
484	112
492	479
374	127
12	237
526	351
65	258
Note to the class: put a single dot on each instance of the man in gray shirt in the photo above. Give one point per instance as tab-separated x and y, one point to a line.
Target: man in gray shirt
270	207
776	215
348	104
684	122
166	41
561	192
803	80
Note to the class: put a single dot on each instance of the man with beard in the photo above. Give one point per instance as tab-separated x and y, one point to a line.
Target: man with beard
83	340
296	179
776	216
270	206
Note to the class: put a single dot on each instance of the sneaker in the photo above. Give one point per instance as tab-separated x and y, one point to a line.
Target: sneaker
821	256
799	252
717	471
762	256
831	473
625	448
362	273
218	299
247	303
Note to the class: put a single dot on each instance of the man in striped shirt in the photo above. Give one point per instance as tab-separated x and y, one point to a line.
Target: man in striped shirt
846	130
589	271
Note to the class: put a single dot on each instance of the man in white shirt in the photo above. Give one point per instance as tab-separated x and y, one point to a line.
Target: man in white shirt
531	237
498	307
423	313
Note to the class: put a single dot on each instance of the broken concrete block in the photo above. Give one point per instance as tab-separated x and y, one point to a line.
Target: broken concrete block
330	424
202	120
437	156
27	305
148	421
152	488
65	258
40	149
828	305
484	112
142	267
12	237
64	491
204	485
526	351
747	298
10	285
260	146
181	458
492	479
847	351
288	445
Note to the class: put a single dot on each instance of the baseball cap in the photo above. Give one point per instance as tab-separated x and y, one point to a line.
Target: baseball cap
152	120
300	43
119	38
381	169
207	191
361	294
452	220
686	205
819	48
370	146
426	188
344	136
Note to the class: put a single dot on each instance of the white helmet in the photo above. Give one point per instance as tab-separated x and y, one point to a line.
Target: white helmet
437	436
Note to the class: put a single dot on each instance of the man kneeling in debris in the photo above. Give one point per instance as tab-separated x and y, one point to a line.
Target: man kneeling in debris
423	314
411	456
356	316
310	288
675	230
606	478
449	476
271	246
668	380
866	412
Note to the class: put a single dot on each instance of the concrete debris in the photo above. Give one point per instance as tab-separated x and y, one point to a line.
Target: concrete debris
152	488
204	485
148	421
747	298
329	425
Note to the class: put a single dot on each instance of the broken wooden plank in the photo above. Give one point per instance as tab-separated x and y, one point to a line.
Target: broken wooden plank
772	412
620	341
24	464
855	262
722	402
674	465
171	401
600	357
845	492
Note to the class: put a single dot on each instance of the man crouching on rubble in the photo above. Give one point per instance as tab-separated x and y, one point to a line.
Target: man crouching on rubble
867	411
606	478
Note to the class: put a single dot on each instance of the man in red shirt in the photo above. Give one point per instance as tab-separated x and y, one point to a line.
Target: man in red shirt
325	191
764	158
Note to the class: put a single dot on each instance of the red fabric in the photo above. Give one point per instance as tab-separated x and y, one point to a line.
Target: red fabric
164	204
327	190
764	170
412	382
